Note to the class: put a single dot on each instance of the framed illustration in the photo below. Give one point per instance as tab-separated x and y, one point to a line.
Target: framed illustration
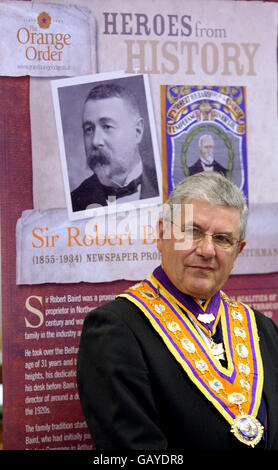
107	142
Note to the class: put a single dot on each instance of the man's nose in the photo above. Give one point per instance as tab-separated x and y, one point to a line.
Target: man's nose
206	247
97	138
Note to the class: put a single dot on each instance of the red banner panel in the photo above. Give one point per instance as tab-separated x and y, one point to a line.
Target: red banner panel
42	323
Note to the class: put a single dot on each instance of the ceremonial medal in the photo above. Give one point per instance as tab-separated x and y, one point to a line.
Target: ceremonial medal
247	429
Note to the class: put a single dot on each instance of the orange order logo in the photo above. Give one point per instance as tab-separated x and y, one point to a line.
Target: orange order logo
44	20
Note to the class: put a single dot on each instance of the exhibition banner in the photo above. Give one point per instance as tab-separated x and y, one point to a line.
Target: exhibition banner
204	129
41	401
195	75
180	46
51	249
103	249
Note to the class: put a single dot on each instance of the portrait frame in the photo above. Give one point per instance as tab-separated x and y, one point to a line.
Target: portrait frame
69	95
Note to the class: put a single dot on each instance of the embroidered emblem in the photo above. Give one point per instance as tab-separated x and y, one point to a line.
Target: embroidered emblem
244	368
232	302
159	308
240	332
206	317
201	365
216	385
242	350
188	345
173	326
148	294
236	398
245	384
236	315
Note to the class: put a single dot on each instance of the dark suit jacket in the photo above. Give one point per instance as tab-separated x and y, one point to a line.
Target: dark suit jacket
197	168
135	395
92	191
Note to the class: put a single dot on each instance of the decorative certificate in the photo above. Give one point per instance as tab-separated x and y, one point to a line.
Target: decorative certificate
203	129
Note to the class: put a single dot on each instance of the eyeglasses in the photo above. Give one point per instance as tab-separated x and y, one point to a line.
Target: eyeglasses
223	241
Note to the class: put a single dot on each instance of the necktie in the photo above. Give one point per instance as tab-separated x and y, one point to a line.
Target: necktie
125	190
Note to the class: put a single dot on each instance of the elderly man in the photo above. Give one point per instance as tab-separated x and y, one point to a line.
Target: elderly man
113	130
206	161
174	362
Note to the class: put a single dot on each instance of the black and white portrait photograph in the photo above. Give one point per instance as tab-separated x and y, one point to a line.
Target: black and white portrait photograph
107	141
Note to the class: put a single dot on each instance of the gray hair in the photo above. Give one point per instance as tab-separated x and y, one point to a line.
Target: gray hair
205	136
212	187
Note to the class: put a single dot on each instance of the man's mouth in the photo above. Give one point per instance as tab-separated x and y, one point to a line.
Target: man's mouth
96	159
203	268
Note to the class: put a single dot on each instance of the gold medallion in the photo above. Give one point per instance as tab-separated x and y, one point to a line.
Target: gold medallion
247	429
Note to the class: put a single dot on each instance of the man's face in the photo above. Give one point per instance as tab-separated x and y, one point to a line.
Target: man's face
207	148
201	270
111	135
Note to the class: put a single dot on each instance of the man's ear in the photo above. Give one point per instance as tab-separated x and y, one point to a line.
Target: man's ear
241	246
160	231
163	232
139	129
